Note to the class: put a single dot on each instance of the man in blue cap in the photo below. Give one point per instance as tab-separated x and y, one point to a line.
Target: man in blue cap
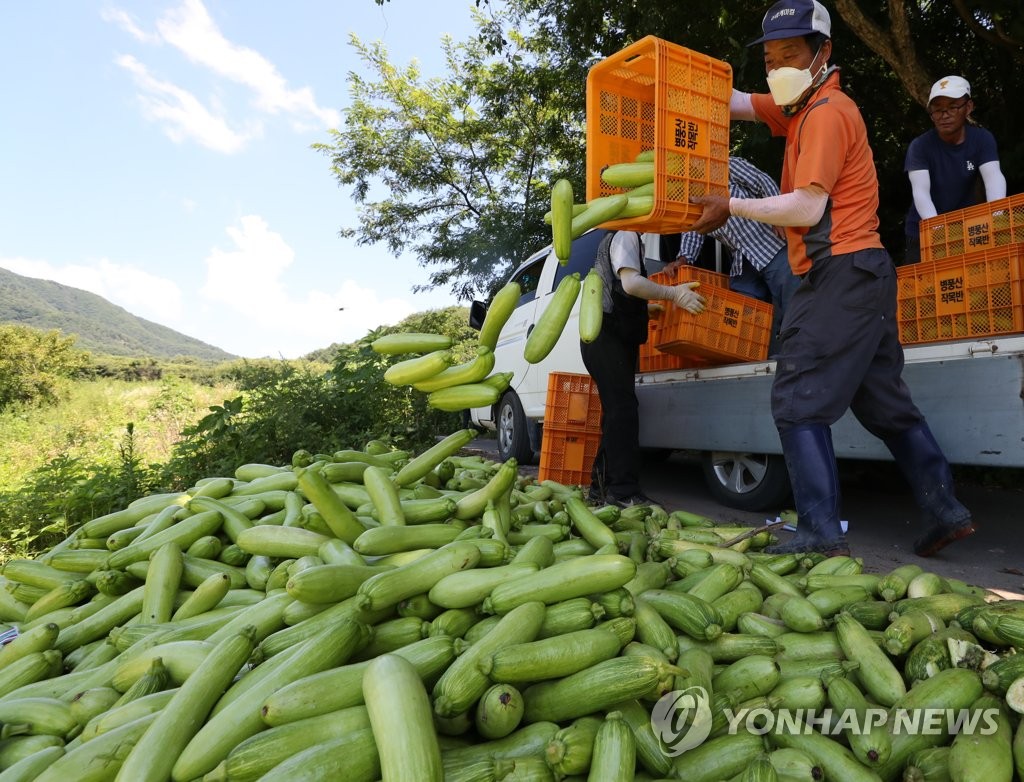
840	345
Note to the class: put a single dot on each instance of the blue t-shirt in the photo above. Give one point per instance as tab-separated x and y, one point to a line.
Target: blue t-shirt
952	168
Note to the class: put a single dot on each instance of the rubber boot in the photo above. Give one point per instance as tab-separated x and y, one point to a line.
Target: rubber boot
813	474
931	480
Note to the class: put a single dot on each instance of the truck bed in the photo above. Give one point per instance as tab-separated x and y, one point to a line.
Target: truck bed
970	392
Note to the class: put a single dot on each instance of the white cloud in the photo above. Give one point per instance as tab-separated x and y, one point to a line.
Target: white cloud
249	279
126	22
190	29
182	115
155	298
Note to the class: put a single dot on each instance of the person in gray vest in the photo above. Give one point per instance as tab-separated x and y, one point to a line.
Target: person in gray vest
612	359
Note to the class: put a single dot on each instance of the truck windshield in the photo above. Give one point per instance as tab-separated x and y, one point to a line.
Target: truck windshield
582	257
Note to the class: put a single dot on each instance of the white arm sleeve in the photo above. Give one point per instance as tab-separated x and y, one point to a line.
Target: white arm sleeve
803	206
995	182
635	284
740	106
921	185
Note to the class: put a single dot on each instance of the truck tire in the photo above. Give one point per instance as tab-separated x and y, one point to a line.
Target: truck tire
746	481
513	435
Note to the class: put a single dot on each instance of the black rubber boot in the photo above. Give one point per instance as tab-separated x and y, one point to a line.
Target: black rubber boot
813	474
925	467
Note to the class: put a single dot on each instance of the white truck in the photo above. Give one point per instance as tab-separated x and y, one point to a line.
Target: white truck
971	391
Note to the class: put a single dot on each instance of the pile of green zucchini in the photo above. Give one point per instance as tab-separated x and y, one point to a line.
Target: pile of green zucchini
373	614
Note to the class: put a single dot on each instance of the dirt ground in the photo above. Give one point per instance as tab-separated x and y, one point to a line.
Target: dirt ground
883	518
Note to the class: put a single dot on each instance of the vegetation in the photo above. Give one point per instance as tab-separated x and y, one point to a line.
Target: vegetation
468	159
98	326
34	364
102	441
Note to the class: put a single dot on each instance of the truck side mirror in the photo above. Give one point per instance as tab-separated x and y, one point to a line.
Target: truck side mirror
477	313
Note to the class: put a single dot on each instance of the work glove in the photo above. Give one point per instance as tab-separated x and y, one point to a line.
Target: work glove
687	299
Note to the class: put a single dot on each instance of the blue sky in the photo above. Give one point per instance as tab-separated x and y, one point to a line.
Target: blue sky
157	154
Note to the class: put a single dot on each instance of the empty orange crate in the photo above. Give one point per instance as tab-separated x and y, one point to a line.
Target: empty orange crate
654	360
656	95
689	273
986	226
572	402
732	328
567	455
974	295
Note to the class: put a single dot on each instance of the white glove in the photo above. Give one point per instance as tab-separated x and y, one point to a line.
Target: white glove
687	299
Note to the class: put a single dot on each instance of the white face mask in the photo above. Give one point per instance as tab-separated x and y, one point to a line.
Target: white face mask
787	85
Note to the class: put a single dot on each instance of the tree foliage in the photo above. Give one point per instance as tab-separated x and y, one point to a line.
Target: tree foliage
288	406
34	363
458	169
532	56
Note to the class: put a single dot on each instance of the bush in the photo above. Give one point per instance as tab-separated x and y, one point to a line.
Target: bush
34	364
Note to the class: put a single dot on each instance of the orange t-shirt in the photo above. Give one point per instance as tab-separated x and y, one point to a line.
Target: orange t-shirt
827	145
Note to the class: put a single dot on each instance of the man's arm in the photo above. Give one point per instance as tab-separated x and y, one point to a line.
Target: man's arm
995	182
740	106
804	206
921	187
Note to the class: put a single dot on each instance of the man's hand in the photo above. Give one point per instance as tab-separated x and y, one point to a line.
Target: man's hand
673	265
654	308
716	212
686	298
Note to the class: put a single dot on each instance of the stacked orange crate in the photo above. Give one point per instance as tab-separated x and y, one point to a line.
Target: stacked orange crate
656	96
968	284
732	328
572	429
651	358
969	296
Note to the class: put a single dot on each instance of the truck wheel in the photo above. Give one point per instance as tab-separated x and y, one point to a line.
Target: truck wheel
747	481
513	437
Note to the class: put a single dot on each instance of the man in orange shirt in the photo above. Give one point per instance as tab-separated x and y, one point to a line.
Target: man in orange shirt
840	343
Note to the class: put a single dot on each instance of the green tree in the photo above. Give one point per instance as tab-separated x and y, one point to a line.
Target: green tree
34	363
283	407
458	169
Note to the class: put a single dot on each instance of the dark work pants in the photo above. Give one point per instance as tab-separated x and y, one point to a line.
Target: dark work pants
613	363
840	349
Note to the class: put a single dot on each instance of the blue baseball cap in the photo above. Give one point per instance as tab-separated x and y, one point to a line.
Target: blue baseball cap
793	19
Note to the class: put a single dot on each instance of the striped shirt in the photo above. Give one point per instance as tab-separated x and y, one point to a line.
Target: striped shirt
755	242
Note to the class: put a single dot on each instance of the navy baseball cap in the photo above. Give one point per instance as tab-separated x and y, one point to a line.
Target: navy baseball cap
793	19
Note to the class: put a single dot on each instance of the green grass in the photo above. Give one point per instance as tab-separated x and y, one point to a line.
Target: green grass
90	421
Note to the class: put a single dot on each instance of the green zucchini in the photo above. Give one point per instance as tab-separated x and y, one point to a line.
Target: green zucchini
591	305
400	715
552	320
462	684
155	754
562	581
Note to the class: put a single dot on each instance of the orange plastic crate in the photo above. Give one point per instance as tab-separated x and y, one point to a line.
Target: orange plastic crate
732	328
656	95
688	273
572	402
986	226
567	455
654	360
974	295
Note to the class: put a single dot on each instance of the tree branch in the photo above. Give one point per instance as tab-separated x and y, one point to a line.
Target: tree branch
895	46
994	36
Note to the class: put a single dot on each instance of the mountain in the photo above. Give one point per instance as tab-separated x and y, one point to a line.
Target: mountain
101	327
